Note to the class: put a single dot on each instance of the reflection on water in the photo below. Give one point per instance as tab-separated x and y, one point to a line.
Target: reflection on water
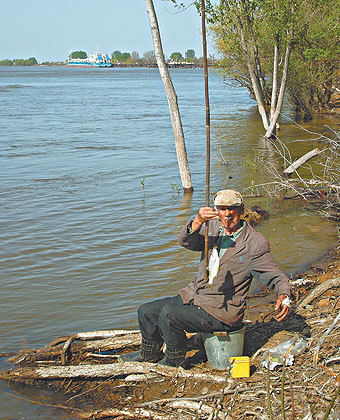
83	243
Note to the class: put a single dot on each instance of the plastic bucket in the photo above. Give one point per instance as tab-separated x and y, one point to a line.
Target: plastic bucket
219	347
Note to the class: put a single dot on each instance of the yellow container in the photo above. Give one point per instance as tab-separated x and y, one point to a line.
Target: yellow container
240	366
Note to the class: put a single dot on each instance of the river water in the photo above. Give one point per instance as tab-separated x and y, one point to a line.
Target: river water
90	208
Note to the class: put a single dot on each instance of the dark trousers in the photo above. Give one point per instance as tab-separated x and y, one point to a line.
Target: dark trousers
167	320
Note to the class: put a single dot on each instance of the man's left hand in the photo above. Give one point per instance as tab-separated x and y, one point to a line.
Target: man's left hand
285	308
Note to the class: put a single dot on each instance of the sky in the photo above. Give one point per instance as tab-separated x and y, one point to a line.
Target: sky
50	29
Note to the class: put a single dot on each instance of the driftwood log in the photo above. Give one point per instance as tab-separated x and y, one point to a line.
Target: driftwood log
91	335
318	291
99	341
110	370
299	162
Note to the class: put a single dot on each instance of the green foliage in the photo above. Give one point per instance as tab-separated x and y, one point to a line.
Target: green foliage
32	61
6	62
78	54
190	54
251	161
119	57
22	62
125	56
176	56
175	187
316	57
116	55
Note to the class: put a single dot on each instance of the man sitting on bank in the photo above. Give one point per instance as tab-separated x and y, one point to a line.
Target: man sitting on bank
215	304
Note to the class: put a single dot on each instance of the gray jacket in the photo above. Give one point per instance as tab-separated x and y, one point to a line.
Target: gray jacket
248	257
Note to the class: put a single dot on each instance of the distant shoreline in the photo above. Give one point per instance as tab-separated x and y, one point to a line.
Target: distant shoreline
154	65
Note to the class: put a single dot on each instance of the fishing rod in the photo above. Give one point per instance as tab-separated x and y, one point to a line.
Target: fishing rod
207	125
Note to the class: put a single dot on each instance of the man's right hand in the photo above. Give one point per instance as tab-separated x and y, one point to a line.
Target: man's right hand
204	214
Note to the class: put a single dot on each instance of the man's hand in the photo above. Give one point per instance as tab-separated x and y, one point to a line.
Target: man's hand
204	214
285	308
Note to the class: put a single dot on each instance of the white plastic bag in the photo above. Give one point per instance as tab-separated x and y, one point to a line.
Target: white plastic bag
278	352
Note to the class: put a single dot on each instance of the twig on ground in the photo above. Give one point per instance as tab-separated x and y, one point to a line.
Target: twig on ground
322	339
268	389
195	406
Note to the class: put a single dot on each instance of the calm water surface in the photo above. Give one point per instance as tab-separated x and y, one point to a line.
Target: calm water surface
83	243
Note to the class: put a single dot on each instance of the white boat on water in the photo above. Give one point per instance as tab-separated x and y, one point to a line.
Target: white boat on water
96	59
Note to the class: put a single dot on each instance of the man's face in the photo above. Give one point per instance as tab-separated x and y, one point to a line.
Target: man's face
230	216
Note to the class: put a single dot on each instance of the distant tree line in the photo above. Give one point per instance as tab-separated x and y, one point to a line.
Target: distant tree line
19	62
150	58
133	58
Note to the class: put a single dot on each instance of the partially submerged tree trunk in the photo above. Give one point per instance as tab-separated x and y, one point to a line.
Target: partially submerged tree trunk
277	104
299	162
172	100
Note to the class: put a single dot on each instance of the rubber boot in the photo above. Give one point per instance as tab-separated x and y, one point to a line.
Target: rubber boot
149	352
174	357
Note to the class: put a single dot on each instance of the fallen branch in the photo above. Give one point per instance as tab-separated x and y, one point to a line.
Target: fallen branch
331	373
322	339
92	335
299	162
333	360
118	342
318	291
102	371
102	356
132	413
118	339
196	406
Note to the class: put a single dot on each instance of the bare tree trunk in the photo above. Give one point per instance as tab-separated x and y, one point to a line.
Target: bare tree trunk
172	100
255	49
255	81
275	81
276	105
274	118
256	85
275	70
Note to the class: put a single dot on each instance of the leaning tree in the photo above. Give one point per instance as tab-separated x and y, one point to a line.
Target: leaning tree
172	100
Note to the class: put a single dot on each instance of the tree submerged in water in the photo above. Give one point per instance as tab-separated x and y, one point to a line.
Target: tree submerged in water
172	100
